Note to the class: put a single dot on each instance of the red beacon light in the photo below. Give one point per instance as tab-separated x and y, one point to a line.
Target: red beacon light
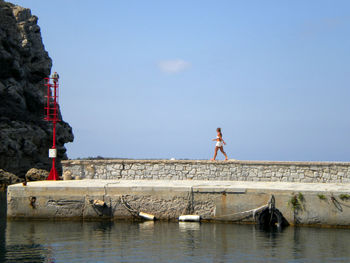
52	116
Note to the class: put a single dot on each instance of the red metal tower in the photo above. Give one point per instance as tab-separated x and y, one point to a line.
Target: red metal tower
52	116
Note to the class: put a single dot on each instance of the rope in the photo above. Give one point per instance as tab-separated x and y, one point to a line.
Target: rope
244	214
189	208
105	187
271	206
132	211
249	213
336	203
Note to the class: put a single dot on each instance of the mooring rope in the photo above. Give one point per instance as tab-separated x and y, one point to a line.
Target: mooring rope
336	203
245	214
105	187
126	205
249	213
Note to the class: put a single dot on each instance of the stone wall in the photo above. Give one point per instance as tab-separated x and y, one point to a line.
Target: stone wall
268	171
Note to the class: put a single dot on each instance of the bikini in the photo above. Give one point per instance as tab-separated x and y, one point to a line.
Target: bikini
219	143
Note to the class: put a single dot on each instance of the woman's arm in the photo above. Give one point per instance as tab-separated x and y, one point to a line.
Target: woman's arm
221	139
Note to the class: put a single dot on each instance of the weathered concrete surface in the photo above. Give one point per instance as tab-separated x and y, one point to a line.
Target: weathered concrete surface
267	171
300	203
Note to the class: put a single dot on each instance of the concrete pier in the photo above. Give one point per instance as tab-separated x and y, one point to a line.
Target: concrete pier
326	204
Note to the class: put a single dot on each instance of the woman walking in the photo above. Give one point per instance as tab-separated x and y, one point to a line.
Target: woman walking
219	144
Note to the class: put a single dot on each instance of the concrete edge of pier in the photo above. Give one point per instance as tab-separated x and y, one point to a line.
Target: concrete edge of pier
300	203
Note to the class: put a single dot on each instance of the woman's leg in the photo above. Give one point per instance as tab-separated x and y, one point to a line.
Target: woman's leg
222	150
215	153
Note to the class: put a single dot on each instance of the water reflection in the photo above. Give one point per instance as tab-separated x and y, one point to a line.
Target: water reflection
48	241
2	225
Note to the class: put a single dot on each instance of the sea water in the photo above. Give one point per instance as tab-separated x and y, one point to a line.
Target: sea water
73	241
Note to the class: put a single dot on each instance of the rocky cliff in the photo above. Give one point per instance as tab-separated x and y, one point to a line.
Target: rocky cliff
24	136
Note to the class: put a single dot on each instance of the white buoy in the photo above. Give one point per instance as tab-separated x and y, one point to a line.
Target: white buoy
146	216
193	218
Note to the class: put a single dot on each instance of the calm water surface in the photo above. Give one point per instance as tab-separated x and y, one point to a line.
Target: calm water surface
40	241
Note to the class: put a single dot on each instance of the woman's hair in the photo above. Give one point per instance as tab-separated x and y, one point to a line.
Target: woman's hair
219	130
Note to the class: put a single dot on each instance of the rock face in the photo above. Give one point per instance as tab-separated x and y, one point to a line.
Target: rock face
7	178
24	135
36	175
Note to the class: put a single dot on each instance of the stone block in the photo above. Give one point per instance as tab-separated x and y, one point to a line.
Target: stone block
179	167
309	174
117	166
109	167
314	168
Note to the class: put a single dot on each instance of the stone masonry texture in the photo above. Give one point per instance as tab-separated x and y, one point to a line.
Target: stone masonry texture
265	171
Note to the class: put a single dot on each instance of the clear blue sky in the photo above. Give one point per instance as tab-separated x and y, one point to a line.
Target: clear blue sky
154	79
